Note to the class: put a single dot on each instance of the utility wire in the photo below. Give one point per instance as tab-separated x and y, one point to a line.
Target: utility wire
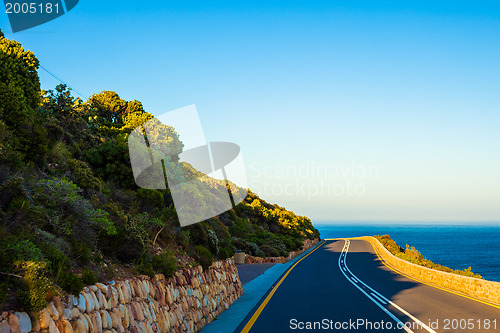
58	79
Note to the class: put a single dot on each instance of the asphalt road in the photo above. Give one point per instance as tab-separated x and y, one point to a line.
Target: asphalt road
342	286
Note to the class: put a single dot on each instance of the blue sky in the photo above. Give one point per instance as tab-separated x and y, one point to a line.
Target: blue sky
344	110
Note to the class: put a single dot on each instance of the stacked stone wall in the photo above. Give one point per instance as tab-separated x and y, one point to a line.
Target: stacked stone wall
185	302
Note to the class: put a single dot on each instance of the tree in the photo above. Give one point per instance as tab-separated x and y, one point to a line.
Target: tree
19	83
19	98
109	107
110	161
135	116
58	103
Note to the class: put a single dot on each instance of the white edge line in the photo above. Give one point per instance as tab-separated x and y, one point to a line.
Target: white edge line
430	330
415	319
378	304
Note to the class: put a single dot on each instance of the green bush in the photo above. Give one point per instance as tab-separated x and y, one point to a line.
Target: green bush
213	241
205	258
36	287
81	252
88	276
71	283
25	250
292	244
269	251
4	287
11	189
143	265
280	247
164	263
183	237
239	228
84	176
111	161
60	268
253	249
70	212
150	198
389	244
226	249
198	234
239	244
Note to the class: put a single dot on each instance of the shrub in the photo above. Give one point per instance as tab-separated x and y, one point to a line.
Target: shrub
412	255
292	244
4	287
36	289
81	252
240	244
389	244
71	213
164	263
111	161
150	198
205	258
88	276
253	249
198	234
60	268
45	237
11	189
25	250
71	283
143	265
226	249
84	176
280	247
128	244
183	237
59	153
239	228
269	251
213	241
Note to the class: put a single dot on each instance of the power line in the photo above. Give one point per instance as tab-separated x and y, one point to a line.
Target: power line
58	79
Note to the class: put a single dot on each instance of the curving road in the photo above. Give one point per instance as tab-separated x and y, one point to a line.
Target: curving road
342	286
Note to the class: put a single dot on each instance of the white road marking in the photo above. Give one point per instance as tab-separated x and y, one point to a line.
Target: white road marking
374	301
377	295
379	299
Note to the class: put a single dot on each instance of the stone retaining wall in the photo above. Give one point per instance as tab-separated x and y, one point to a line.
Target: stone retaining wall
479	288
186	302
308	243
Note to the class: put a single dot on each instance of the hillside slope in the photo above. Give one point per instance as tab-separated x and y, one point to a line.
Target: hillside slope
70	211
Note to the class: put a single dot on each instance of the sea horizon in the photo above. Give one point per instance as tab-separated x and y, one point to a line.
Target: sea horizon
402	222
457	246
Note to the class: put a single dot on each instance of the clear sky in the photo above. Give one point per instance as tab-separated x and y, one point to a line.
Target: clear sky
344	110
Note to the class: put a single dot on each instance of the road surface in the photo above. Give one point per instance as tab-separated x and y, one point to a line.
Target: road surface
342	286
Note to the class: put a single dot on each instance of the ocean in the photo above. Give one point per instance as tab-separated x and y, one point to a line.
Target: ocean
455	246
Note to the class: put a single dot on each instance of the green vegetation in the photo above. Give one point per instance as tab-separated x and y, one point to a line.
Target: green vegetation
70	211
414	256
